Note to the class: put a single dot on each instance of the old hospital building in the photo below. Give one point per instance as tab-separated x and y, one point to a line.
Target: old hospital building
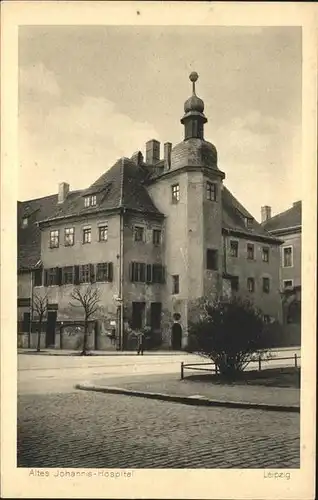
154	233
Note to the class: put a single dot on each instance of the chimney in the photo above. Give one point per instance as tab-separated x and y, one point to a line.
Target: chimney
167	155
266	213
63	192
152	151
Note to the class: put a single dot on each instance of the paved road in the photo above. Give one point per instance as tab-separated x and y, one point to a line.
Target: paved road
85	429
61	427
42	373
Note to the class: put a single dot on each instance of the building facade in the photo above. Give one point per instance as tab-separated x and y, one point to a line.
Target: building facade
155	235
287	226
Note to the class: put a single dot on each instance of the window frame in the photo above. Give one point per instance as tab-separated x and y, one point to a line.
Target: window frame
266	289
250	246
236	242
175	193
289	281
87	273
175	284
141	228
67	274
265	251
213	252
286	247
87	230
156	241
251	281
57	231
66	244
103	229
211	191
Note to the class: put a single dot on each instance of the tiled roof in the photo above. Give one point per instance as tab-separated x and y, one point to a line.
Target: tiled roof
287	219
29	238
120	186
234	215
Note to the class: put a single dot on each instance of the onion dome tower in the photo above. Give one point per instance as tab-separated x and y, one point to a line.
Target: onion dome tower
194	118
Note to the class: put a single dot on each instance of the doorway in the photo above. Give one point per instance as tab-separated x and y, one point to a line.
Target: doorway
50	329
138	313
176	334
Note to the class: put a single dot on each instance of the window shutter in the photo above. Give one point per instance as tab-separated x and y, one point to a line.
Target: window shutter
131	271
76	275
46	281
149	273
163	274
143	273
110	271
92	272
38	277
58	275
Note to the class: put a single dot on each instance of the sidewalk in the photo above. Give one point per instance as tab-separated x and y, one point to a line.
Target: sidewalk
67	352
170	388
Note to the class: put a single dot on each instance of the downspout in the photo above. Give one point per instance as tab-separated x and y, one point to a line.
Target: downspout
121	280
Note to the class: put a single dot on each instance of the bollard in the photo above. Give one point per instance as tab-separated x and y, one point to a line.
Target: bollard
181	370
295	355
259	363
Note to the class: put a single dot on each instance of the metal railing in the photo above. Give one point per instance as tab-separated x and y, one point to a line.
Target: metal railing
259	360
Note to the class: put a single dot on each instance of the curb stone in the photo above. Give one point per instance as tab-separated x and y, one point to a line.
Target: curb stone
189	400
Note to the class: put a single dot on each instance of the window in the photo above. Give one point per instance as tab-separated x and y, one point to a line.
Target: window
138	272
233	248
156	236
104	271
87	235
251	284
212	259
288	257
68	275
248	221
234	283
175	284
211	191
175	192
265	254
51	277
266	285
139	233
103	233
287	284
38	277
69	236
250	251
90	201
157	273
25	222
85	275
54	239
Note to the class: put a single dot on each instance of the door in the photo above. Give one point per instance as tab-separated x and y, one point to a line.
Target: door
176	337
138	312
50	329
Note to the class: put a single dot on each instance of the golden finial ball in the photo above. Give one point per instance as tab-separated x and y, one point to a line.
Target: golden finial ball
194	76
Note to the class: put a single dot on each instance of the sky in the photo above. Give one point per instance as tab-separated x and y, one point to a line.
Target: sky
89	95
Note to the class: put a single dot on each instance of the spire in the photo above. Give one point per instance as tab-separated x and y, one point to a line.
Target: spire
194	118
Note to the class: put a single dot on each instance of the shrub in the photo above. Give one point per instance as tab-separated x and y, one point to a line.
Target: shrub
230	332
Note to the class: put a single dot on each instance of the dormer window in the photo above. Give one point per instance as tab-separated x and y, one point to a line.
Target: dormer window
248	222
25	222
90	201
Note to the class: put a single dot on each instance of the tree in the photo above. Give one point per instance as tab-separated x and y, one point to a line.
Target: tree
230	332
40	308
87	299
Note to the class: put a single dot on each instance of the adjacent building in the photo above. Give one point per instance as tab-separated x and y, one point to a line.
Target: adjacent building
155	234
287	226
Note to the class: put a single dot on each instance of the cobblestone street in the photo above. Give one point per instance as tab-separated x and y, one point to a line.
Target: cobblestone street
85	429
